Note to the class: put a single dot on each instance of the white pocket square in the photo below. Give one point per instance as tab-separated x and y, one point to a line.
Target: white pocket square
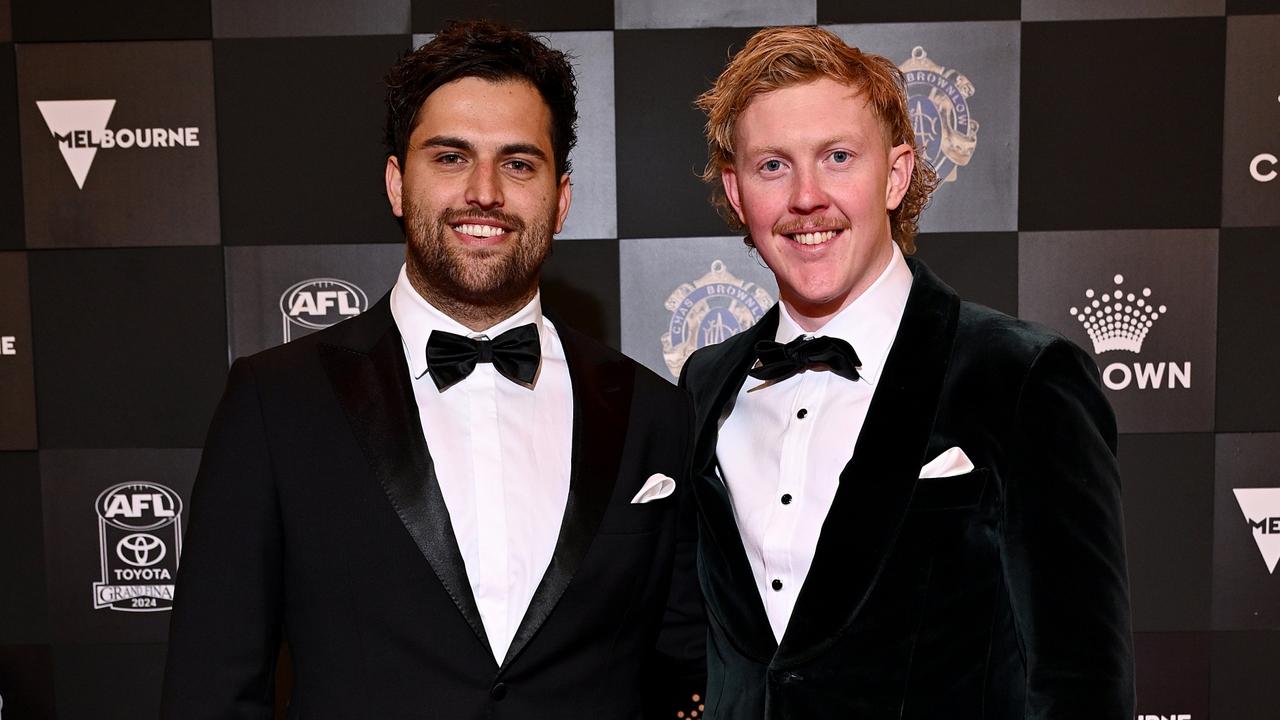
950	462
656	487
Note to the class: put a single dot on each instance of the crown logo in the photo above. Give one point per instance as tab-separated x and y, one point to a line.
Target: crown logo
1117	320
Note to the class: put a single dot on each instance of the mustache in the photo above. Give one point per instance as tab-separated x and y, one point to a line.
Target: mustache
453	216
792	227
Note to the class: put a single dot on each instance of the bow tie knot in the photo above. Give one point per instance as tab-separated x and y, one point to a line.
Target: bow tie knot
515	354
778	361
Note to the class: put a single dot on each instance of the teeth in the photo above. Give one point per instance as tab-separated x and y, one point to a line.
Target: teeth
814	238
484	231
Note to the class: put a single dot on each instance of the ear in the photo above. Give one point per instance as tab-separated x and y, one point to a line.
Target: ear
729	179
564	197
395	186
902	162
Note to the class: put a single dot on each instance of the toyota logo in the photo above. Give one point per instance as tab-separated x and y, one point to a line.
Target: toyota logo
140	549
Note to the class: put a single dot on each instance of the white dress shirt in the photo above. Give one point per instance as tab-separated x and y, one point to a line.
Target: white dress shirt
502	456
783	446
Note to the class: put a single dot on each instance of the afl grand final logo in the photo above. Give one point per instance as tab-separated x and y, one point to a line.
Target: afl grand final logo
938	101
317	303
139	539
711	309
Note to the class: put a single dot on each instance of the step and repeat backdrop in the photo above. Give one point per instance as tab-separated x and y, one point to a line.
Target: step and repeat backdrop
183	182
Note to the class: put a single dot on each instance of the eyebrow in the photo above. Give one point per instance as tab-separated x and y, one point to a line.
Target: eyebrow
763	150
841	140
447	141
458	143
774	150
523	149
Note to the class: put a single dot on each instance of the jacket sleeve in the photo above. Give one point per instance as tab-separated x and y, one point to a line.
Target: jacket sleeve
1063	543
224	635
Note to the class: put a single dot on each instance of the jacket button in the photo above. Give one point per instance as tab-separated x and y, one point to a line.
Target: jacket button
498	691
777	584
789	678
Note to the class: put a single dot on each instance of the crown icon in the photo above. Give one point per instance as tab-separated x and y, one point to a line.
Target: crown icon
1117	320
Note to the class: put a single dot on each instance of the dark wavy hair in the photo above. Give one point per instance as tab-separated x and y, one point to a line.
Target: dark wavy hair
483	49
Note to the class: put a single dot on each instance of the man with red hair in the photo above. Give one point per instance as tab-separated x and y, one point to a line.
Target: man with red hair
910	504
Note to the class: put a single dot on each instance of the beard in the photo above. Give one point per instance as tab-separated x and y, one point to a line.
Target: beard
494	277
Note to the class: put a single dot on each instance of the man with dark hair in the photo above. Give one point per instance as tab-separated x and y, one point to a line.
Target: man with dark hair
910	504
450	506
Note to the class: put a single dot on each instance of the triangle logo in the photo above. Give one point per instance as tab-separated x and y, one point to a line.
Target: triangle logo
1261	508
67	116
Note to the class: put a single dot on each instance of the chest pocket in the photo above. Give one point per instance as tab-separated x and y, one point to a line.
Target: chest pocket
624	518
957	492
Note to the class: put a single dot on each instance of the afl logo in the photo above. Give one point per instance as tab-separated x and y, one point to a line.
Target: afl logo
317	303
709	310
138	506
938	102
140	538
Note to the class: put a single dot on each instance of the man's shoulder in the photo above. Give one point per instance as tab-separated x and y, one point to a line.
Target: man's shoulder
301	356
988	332
1008	345
1005	333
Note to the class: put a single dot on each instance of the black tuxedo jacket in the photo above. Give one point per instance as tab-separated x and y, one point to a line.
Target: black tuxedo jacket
316	513
998	594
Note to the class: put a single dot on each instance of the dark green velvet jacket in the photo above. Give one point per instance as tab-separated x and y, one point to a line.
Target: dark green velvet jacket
998	594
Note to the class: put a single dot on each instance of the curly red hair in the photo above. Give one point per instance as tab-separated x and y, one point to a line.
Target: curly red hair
775	58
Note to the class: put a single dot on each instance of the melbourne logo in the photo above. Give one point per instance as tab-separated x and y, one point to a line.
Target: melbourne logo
938	101
80	129
317	303
8	345
1119	320
1261	509
711	309
140	539
1263	165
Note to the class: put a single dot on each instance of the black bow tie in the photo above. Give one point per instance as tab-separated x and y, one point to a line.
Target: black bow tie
778	361
515	353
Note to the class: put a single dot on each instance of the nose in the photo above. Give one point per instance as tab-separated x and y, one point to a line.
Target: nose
807	193
484	186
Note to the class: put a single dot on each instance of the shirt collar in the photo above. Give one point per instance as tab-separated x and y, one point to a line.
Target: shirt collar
416	318
869	323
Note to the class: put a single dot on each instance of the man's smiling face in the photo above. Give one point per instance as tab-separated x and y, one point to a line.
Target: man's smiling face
479	192
813	179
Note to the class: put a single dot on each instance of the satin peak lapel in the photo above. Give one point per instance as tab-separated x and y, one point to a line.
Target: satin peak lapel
876	484
602	390
371	380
